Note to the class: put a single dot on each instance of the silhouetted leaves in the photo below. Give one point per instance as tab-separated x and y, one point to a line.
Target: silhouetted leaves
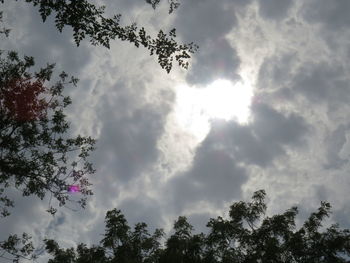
15	248
36	155
87	20
246	236
174	4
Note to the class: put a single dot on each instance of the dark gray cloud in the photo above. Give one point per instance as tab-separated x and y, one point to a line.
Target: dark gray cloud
206	23
143	209
275	71
23	206
217	174
341	215
200	21
263	140
321	82
318	81
214	178
274	9
333	15
128	140
47	44
122	5
215	60
331	21
200	221
334	144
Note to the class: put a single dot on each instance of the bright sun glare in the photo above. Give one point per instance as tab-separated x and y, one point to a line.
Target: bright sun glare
222	99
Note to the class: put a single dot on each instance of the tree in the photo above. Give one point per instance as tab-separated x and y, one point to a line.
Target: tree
248	235
34	144
16	248
87	20
120	244
36	154
182	246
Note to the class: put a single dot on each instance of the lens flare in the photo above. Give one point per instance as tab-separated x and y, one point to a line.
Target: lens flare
73	189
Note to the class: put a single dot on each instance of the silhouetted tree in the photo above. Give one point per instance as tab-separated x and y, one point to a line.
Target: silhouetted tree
88	20
37	156
15	248
183	246
248	235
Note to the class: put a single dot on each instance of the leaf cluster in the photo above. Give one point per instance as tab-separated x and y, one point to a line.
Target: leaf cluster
88	20
174	4
16	248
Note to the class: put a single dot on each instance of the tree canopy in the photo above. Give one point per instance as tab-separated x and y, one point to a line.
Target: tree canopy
88	20
37	155
247	235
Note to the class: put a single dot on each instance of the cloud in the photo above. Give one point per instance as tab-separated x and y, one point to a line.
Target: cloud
319	81
207	23
213	178
341	216
143	209
334	145
29	206
215	60
274	9
199	21
322	82
129	133
264	139
274	72
219	170
46	44
333	15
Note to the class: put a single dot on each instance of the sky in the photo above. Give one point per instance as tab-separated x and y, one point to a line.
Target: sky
263	105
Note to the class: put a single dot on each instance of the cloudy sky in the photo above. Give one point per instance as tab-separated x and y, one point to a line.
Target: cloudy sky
264	105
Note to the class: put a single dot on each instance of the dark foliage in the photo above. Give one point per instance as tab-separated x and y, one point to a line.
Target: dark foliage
174	4
16	248
246	236
88	20
37	156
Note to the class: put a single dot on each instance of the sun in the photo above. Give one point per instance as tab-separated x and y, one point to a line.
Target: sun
196	107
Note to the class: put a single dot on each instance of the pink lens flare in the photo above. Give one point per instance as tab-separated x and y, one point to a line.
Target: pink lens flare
73	189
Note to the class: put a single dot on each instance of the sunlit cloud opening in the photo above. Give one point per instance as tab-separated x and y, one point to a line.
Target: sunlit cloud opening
222	99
